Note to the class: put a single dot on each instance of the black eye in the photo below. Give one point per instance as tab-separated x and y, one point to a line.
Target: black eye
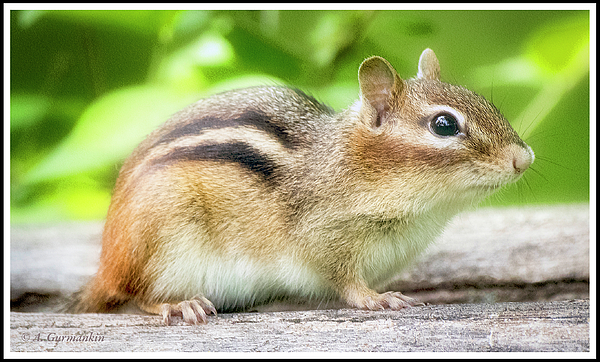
444	125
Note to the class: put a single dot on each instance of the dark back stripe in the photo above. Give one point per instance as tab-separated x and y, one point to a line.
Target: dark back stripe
236	152
255	119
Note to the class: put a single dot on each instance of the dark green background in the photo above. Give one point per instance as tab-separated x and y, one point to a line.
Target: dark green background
86	86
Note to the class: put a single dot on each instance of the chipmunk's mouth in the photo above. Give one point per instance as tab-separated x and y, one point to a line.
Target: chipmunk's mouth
488	188
494	185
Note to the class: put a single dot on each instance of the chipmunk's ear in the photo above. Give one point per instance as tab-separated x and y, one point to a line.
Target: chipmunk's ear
380	88
429	66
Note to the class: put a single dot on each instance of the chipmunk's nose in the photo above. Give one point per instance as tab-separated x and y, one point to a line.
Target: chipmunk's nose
522	157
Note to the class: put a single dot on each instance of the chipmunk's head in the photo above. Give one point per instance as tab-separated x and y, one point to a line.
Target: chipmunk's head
430	139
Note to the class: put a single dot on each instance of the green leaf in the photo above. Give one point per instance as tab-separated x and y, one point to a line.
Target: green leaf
78	198
334	32
564	68
27	18
109	130
182	69
27	109
138	21
518	71
556	46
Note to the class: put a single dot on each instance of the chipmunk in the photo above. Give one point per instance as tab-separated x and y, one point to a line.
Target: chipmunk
260	193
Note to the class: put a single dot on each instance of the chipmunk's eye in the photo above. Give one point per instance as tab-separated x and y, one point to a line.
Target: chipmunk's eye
444	125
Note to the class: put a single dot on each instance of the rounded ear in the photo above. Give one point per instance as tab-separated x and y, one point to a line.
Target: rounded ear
379	84
429	66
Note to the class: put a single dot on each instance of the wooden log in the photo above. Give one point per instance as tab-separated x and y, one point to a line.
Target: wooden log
488	256
499	327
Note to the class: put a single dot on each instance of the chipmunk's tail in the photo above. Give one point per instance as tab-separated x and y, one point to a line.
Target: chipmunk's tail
94	298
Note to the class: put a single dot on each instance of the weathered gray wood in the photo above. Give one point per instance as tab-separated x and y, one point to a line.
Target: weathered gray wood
489	255
508	327
506	254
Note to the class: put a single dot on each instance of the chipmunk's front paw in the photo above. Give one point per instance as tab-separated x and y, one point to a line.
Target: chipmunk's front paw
388	300
193	311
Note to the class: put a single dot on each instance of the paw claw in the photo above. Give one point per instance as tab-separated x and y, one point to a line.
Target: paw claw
206	305
411	302
193	311
165	312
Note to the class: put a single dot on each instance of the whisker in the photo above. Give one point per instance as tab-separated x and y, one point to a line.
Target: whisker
539	174
533	121
526	182
545	159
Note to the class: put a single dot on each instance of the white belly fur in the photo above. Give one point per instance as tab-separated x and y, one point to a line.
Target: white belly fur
230	281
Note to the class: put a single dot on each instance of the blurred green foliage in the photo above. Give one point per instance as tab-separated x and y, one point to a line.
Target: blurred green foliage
87	86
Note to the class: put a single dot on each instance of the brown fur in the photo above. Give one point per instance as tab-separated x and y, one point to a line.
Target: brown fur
264	193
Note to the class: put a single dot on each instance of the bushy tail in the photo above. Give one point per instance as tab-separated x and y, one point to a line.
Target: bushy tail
93	298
